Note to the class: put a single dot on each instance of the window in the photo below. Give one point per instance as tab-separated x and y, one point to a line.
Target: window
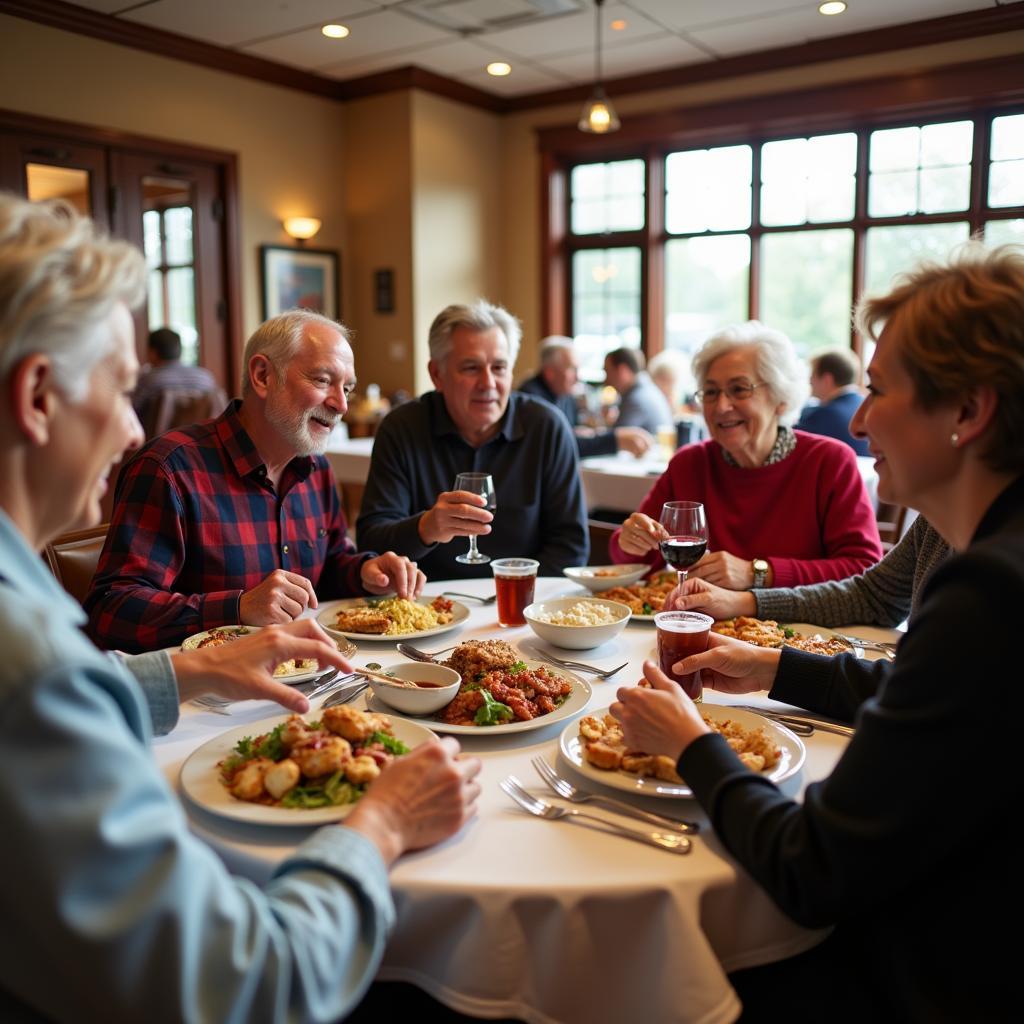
790	229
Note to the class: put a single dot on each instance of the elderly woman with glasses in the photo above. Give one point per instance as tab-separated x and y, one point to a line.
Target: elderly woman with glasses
783	507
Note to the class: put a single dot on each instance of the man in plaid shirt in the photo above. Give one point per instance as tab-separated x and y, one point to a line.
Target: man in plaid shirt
237	520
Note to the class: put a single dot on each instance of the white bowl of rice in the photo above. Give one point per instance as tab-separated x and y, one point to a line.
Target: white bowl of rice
577	623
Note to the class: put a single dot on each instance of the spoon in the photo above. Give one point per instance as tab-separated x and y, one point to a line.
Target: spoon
417	655
407	684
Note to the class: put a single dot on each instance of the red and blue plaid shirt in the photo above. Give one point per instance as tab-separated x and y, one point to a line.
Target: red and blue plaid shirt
196	524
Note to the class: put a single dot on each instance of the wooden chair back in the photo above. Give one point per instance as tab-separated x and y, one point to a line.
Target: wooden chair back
73	558
173	408
600	535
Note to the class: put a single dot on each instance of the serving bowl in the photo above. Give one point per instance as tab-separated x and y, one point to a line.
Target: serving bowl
419	700
618	575
576	638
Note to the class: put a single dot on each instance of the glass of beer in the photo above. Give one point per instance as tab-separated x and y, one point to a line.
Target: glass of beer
681	634
514	582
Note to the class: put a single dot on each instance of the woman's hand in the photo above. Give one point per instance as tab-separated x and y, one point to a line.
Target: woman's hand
659	720
641	534
697	595
419	799
725	570
244	669
732	666
389	572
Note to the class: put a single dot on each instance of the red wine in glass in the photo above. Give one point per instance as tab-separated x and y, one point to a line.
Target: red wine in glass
687	538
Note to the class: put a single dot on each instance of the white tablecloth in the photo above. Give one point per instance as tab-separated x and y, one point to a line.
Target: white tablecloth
550	921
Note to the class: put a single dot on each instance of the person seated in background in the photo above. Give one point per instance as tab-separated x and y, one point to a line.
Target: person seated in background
835	383
114	910
473	422
641	403
671	374
167	373
556	383
238	519
884	595
783	507
870	849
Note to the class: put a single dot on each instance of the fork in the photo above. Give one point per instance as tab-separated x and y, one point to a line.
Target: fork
471	597
319	684
885	646
600	673
344	695
534	805
567	791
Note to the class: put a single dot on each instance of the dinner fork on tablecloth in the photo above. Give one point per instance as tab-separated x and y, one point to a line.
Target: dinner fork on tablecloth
673	842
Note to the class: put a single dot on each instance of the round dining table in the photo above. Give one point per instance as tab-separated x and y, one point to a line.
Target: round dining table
548	921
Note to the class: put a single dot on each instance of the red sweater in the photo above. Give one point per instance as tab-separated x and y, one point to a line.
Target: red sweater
808	515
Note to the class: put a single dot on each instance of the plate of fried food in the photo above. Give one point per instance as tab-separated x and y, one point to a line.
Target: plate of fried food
290	771
595	747
500	693
801	635
293	671
383	618
646	597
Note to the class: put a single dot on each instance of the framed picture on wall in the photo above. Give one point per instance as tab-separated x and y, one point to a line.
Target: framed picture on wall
299	277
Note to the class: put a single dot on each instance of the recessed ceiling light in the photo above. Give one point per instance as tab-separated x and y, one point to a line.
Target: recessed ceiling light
619	24
831	7
499	69
334	31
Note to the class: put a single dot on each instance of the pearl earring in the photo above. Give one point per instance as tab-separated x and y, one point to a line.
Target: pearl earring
954	439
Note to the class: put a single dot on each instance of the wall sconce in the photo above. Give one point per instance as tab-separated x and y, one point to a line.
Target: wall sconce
301	228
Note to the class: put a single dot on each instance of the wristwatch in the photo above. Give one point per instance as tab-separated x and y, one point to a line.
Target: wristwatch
760	573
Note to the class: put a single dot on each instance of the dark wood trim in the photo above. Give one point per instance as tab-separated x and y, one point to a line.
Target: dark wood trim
990	21
411	77
554	274
70	18
998	81
233	278
652	260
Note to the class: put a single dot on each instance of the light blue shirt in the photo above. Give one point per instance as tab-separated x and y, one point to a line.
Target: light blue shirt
112	910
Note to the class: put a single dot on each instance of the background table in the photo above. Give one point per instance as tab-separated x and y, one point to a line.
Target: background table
550	921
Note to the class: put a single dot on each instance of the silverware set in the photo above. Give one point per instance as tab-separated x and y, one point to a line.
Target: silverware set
600	673
799	722
326	682
883	646
671	841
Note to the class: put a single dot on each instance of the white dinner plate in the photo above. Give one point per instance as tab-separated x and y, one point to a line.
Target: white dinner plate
619	575
200	778
807	629
296	675
575	703
793	754
329	611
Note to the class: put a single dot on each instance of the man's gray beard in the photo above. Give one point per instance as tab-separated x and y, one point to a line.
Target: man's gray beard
295	430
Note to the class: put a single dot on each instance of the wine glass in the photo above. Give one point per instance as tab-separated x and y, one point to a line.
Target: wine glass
687	538
482	484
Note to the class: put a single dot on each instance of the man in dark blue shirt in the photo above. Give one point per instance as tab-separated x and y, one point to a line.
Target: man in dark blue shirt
555	382
473	423
834	382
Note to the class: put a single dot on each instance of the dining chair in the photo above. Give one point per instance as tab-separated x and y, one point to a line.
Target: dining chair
892	523
173	408
600	534
73	558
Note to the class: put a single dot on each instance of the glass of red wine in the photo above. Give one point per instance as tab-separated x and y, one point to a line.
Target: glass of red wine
482	484
687	538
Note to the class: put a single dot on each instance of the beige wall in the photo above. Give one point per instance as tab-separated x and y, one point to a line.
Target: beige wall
457	252
289	144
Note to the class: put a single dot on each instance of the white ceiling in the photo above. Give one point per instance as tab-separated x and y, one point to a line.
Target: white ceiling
549	43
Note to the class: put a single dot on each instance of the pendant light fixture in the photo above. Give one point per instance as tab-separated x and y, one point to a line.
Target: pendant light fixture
598	116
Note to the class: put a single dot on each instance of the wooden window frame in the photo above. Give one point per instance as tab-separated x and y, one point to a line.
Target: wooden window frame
977	91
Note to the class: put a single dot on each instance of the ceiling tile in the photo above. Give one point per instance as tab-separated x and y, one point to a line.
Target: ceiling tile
649	54
524	79
372	35
232	22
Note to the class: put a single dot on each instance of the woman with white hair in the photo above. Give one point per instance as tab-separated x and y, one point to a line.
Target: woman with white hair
783	507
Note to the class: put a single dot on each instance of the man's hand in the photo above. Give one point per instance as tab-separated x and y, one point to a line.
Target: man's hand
659	720
389	572
419	799
634	440
641	534
732	666
725	570
281	597
698	595
455	514
244	669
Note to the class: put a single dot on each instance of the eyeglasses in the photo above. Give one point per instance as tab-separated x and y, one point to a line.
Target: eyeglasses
737	392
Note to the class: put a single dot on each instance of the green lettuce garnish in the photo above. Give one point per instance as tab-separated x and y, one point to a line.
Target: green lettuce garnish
492	712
